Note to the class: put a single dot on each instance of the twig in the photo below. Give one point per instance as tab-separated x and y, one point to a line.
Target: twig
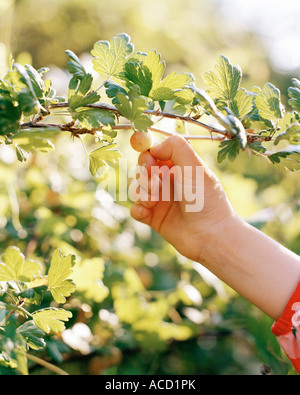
77	132
47	365
3	322
188	119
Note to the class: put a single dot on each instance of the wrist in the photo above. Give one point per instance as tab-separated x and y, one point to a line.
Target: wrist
217	237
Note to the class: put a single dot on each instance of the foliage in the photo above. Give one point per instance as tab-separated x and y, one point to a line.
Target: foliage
151	315
136	84
21	283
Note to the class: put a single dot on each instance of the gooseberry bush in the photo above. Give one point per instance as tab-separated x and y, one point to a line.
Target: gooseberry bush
137	96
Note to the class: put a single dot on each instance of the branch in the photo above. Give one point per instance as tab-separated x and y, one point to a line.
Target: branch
46	365
188	119
76	132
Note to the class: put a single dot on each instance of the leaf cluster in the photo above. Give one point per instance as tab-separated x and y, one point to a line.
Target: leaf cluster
22	286
137	86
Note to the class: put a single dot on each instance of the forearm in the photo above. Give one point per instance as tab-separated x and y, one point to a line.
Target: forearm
254	265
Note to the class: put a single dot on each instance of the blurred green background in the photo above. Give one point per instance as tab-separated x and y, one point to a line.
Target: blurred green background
140	308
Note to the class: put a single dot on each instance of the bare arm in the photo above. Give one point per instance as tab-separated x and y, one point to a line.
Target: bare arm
253	264
257	267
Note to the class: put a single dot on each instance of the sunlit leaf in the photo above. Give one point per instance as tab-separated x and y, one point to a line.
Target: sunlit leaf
74	65
110	57
242	104
294	95
291	134
224	82
93	118
268	102
102	158
286	160
59	283
51	319
14	267
133	110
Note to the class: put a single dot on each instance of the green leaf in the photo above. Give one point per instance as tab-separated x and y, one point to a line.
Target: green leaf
225	81
140	75
79	95
29	105
74	66
133	110
153	64
9	117
268	102
110	57
170	86
242	104
229	122
294	95
292	135
145	71
108	134
237	128
36	80
30	141
102	158
32	335
285	160
93	118
112	89
60	270
25	78
51	319
229	149
14	267
34	294
257	146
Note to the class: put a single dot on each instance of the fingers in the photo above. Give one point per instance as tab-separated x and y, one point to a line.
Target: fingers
141	213
147	160
140	194
177	150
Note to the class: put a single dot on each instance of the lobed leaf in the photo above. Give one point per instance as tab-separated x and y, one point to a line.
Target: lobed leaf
79	92
14	267
170	86
133	109
35	139
294	95
224	82
268	102
291	134
285	160
101	158
74	66
110	57
51	319
242	104
60	270
33	336
229	149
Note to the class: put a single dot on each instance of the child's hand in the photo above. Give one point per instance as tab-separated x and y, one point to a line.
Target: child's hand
186	224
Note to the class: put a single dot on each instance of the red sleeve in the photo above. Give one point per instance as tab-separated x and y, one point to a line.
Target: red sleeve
287	329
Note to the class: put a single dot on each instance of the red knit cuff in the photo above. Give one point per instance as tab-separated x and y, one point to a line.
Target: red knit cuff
284	324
